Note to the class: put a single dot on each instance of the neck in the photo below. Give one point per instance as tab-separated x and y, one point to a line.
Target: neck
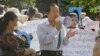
51	22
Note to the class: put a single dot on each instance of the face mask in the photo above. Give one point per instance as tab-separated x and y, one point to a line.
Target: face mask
67	21
61	19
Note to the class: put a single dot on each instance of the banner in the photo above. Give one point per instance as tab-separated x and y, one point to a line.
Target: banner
81	44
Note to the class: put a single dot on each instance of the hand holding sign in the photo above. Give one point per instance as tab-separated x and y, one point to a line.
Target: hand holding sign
71	33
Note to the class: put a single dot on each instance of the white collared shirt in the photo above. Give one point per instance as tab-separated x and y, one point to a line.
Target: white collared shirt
48	37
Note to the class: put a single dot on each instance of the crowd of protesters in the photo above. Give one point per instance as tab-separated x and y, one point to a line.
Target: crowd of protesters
52	34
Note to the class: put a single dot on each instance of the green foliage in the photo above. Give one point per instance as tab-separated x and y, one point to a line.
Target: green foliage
87	5
18	3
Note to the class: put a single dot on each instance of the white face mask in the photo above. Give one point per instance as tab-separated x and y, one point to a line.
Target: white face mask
67	21
61	19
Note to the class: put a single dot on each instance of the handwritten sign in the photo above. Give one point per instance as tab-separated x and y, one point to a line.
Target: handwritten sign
81	44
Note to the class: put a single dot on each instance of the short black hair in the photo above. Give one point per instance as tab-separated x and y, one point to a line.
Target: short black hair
31	11
47	8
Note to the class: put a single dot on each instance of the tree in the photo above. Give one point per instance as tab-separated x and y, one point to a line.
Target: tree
87	5
18	3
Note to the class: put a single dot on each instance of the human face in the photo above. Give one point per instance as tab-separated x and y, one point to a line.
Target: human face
12	24
54	11
74	22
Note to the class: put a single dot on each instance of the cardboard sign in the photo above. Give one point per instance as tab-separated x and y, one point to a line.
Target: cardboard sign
81	44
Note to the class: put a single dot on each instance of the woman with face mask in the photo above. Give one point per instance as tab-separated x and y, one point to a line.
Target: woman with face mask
71	21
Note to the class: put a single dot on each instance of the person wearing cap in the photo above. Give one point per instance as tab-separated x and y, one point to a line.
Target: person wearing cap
70	21
87	23
22	19
85	19
52	34
33	13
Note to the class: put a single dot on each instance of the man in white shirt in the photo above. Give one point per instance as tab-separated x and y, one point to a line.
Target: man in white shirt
52	34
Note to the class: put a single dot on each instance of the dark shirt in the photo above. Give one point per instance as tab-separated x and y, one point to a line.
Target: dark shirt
9	45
